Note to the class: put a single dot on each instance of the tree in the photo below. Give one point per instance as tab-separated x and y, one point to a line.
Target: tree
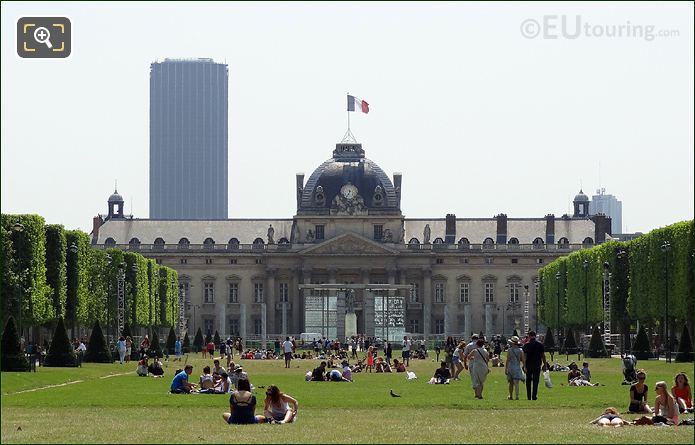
198	341
596	347
549	341
208	338
55	265
641	349
61	353
216	339
570	345
685	347
155	347
13	358
126	330
171	342
186	344
97	350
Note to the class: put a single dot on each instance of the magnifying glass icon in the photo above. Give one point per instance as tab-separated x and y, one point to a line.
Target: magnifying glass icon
42	35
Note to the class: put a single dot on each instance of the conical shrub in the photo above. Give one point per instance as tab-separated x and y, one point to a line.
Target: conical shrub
12	356
171	342
61	353
216	338
186	344
549	340
685	347
97	351
208	339
641	348
126	331
155	347
570	345
198	341
596	347
515	333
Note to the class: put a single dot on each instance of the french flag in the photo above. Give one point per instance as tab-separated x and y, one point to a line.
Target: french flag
355	104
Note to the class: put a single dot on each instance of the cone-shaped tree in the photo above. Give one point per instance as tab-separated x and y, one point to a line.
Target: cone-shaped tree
61	353
155	347
685	347
12	355
198	341
171	341
216	338
208	338
97	352
515	333
126	330
641	348
570	345
186	344
596	347
549	341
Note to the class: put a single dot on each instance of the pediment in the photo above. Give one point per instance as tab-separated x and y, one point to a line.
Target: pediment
349	244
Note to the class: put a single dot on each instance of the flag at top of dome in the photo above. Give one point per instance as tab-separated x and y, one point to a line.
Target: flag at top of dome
354	104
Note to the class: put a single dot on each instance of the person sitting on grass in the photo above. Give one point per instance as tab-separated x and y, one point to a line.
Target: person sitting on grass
206	379
574	373
224	384
180	383
156	368
347	372
586	373
399	366
682	393
441	376
319	374
217	368
279	407
337	376
638	395
242	406
610	417
142	369
665	406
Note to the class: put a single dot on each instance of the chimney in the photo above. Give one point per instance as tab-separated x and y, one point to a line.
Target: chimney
501	228
450	234
397	180
97	221
300	188
602	225
550	229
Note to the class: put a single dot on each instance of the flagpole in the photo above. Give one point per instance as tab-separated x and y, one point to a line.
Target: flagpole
348	116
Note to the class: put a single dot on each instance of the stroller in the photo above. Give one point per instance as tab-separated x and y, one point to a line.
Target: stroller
629	369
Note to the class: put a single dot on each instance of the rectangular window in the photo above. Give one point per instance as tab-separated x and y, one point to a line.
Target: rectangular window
158	261
257	326
209	326
183	261
234	327
514	292
515	260
414	325
233	292
464	292
463	260
439	326
232	261
208	260
415	293
488	260
259	260
440	260
378	232
539	260
489	292
439	292
209	292
284	292
258	292
319	231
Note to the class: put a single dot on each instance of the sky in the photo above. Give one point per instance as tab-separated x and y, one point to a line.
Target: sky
485	108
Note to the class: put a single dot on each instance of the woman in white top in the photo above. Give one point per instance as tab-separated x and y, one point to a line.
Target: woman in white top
279	407
665	404
478	359
120	346
457	360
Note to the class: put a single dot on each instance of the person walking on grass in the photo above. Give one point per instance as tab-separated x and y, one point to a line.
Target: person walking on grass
457	361
120	346
478	364
512	367
287	349
533	353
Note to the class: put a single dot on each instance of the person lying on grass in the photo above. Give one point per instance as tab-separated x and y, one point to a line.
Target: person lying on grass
610	417
180	383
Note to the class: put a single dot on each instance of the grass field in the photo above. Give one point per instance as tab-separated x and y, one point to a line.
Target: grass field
109	403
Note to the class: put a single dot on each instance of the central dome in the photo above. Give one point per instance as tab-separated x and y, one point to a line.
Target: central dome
349	166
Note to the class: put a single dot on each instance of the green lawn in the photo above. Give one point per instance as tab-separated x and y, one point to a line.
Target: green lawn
127	408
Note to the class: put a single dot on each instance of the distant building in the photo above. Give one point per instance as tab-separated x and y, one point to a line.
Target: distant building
609	206
188	139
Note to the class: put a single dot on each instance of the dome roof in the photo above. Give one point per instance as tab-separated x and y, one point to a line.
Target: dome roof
115	197
581	197
349	165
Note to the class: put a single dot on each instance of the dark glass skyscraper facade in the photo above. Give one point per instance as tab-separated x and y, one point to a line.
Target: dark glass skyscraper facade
188	139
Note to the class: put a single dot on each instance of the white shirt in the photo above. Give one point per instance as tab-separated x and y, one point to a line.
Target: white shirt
406	345
81	347
287	346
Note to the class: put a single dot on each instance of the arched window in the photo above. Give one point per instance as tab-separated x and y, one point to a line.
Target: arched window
159	243
513	241
588	240
438	240
233	244
209	244
258	243
563	243
110	242
283	240
464	241
134	243
538	243
184	243
414	241
488	243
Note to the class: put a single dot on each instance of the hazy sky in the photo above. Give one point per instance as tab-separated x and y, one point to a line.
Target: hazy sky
479	118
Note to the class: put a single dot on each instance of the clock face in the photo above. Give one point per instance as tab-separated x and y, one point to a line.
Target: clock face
349	191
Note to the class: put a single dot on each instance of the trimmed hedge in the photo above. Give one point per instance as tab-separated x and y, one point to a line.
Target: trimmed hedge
155	346
186	344
61	353
97	351
12	356
55	266
570	346
198	340
171	342
641	348
596	347
685	347
549	341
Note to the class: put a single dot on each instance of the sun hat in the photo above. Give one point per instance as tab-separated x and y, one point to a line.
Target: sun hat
514	340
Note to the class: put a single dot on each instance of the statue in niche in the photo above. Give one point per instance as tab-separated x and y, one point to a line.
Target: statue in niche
426	234
350	301
271	234
310	236
388	236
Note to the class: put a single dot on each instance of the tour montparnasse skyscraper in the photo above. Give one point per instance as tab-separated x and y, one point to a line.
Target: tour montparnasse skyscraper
188	139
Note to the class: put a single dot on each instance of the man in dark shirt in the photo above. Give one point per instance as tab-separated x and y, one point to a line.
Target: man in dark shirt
319	374
532	355
442	374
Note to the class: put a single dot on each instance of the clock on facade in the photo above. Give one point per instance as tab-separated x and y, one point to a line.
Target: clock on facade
349	191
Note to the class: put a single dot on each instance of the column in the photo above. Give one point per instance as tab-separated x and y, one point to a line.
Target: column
306	277
295	325
340	306
242	322
489	309
270	300
368	306
391	273
427	301
450	307
222	322
264	325
467	328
